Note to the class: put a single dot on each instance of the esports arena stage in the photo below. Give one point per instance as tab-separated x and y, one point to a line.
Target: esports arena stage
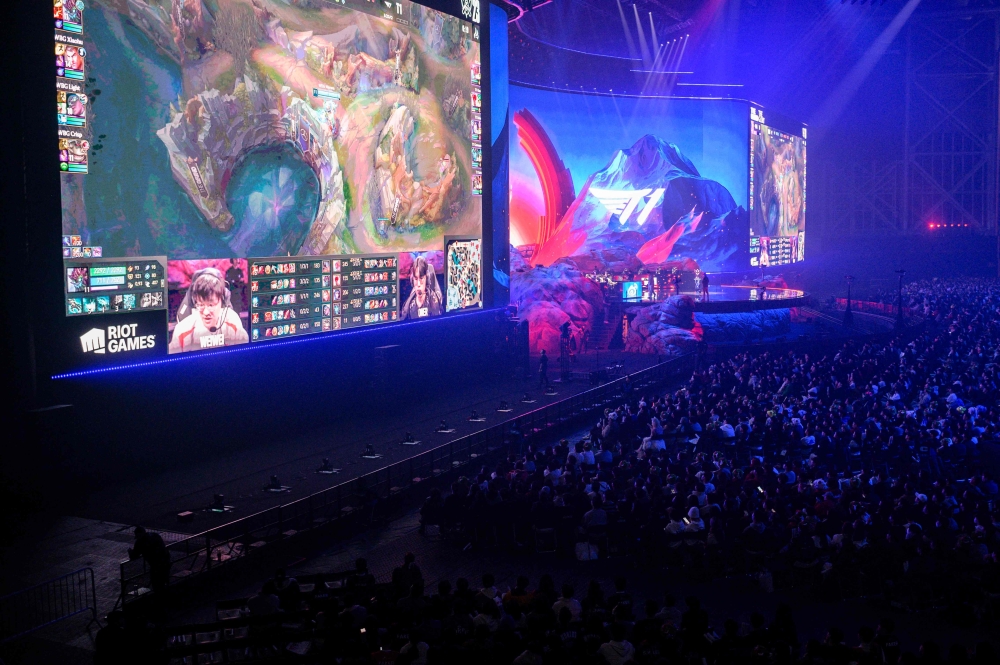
171	448
732	299
654	314
179	448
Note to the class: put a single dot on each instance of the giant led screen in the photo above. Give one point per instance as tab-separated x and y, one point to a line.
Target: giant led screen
613	183
777	190
240	171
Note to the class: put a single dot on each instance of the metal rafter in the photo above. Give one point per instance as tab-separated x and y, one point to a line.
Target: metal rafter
948	172
950	153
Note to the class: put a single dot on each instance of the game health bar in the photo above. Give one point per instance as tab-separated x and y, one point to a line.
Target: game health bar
323	93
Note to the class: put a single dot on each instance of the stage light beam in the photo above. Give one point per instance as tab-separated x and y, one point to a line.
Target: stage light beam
849	86
628	33
646	57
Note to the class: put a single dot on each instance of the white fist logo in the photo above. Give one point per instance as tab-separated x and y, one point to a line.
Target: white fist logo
93	340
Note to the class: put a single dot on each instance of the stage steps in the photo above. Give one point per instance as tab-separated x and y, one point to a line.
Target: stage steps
602	332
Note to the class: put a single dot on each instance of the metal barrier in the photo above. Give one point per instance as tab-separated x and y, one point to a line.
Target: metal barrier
879	330
885	309
44	604
361	497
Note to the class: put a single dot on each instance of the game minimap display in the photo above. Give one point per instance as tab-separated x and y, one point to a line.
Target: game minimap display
220	134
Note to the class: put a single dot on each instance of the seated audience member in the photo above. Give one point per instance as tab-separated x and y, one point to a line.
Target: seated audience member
617	650
566	600
265	602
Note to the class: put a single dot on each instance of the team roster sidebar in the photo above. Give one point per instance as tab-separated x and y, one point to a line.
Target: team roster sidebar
290	297
298	296
371	290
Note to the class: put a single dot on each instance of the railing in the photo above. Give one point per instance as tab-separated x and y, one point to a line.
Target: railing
44	604
361	497
864	323
883	308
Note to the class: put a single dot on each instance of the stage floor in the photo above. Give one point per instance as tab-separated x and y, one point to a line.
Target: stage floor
155	500
730	299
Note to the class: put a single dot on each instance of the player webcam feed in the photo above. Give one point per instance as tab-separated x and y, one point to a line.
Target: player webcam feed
465	269
419	275
207	304
778	201
217	130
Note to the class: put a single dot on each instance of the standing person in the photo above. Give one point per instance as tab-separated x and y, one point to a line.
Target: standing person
543	370
704	287
405	576
150	547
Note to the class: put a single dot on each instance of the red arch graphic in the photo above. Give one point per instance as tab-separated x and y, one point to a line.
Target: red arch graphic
558	192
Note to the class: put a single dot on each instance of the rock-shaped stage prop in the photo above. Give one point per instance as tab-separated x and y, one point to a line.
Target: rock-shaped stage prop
745	326
667	328
548	297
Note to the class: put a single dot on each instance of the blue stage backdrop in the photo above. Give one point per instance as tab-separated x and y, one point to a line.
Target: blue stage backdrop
621	184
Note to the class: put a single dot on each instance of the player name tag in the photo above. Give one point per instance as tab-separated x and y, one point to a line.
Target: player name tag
212	341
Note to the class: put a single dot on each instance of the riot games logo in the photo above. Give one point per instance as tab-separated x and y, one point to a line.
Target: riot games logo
93	340
470	10
117	339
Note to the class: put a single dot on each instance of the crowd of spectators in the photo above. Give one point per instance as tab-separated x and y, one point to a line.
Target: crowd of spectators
862	472
402	622
932	298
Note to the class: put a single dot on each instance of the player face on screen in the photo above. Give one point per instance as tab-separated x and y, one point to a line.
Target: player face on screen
425	297
208	295
420	285
210	311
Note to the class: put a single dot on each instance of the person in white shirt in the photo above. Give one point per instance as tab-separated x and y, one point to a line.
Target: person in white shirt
206	318
568	601
674	527
694	521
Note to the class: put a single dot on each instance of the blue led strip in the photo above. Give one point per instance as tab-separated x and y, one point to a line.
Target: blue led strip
250	346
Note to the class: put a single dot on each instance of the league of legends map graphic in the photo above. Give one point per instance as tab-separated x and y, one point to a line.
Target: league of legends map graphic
235	128
778	206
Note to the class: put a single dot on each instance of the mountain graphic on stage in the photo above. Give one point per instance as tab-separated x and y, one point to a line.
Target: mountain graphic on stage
652	202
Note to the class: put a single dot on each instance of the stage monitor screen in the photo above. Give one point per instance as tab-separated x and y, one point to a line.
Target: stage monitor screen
241	171
618	184
777	190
